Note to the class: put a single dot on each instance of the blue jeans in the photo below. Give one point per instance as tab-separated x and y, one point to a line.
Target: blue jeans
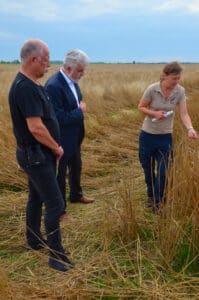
43	188
154	153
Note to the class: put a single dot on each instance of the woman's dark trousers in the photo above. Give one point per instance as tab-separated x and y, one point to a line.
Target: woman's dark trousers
154	153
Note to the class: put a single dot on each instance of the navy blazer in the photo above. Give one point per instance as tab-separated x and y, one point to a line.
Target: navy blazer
69	115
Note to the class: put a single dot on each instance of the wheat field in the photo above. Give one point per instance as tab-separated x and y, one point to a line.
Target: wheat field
121	249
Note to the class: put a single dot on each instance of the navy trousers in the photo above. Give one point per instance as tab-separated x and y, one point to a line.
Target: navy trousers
43	188
74	166
154	153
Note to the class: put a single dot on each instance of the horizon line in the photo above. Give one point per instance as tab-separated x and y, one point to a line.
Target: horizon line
57	61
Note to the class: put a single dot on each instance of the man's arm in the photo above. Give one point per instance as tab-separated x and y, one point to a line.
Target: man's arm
42	135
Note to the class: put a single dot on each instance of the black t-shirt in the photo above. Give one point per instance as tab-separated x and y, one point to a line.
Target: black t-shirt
28	99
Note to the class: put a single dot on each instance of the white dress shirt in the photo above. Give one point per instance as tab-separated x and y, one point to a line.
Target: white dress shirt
71	85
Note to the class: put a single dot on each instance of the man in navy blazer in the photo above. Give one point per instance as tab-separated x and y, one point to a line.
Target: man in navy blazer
65	94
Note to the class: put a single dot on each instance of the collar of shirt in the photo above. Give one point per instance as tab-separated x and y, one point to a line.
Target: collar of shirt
68	80
158	89
71	85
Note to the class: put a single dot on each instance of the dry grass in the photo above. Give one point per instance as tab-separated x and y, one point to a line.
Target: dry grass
121	250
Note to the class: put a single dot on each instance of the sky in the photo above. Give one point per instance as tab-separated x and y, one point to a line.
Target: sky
107	30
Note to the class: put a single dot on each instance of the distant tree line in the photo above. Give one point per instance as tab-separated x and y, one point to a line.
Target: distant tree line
58	62
16	62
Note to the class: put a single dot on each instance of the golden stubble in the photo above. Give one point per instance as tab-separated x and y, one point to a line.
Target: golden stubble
120	248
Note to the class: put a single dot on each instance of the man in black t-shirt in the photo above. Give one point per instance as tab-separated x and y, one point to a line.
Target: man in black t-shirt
37	134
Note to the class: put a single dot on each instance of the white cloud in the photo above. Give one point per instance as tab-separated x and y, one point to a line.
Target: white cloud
45	10
180	5
96	7
90	8
7	36
60	10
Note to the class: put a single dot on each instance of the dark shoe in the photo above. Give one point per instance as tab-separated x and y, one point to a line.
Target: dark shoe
40	245
66	260
60	262
161	211
85	200
59	265
149	203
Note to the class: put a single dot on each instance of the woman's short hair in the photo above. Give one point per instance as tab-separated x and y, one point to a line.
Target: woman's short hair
172	68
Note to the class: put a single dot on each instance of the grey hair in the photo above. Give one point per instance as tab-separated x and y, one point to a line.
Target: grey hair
30	47
75	57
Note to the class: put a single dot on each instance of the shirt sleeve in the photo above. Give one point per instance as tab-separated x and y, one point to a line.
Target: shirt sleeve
182	94
147	95
28	101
